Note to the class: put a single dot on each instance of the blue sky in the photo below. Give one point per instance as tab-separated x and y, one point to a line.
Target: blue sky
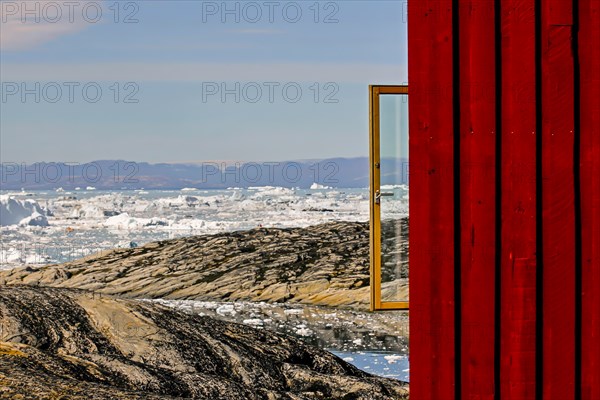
296	90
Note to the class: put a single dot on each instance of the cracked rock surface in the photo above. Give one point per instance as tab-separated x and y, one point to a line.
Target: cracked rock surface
326	265
72	344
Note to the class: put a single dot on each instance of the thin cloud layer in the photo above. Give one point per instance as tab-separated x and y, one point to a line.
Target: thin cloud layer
27	25
202	72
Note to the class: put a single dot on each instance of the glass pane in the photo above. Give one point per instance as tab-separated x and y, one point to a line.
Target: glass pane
393	138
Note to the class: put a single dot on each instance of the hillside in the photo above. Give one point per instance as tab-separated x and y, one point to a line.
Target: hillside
326	264
70	344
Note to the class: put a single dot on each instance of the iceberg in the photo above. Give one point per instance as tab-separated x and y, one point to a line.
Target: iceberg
21	212
125	222
316	186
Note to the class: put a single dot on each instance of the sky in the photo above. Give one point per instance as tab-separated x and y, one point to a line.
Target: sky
184	81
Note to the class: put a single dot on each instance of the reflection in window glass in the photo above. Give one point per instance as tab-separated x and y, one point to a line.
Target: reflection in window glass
394	197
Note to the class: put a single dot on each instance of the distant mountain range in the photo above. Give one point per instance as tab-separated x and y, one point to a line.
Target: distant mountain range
120	174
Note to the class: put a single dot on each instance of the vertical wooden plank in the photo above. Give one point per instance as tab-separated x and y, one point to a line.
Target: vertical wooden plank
477	196
558	205
432	354
589	62
518	254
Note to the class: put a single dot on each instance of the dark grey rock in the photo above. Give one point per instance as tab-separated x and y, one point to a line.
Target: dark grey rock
72	344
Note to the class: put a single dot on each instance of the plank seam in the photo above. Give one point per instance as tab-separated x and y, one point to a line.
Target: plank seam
456	195
578	211
498	177
539	339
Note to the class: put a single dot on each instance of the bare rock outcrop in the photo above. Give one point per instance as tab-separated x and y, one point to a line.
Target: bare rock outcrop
72	344
326	264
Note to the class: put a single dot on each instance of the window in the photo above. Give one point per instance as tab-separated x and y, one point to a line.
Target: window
389	197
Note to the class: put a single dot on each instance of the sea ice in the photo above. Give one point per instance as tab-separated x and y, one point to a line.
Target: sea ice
253	322
316	186
226	309
101	219
392	358
291	311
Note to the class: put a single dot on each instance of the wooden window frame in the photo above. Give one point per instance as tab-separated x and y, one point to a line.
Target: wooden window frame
374	185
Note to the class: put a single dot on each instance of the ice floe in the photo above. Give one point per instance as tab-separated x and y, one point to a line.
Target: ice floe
93	220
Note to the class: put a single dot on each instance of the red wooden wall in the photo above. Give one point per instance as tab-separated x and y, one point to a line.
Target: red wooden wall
505	199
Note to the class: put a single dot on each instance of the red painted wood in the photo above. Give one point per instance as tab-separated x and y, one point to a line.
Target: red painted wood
477	196
433	304
431	202
589	60
518	254
558	201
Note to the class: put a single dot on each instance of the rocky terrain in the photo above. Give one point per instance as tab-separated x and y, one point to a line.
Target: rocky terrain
325	265
324	327
73	344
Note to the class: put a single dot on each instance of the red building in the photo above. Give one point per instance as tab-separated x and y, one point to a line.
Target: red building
505	199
